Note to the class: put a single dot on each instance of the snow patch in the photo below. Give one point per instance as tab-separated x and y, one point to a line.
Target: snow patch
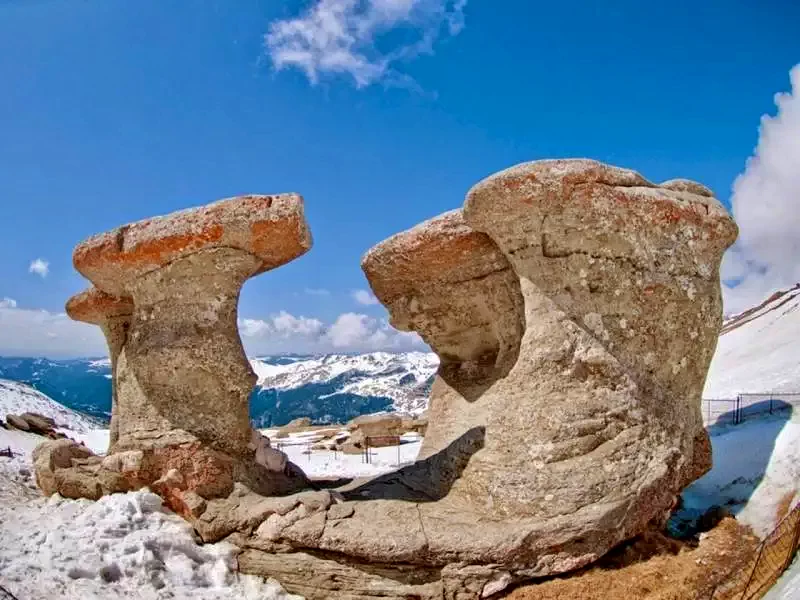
760	355
122	546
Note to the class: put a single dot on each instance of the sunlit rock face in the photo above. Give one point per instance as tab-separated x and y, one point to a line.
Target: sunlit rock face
166	295
575	307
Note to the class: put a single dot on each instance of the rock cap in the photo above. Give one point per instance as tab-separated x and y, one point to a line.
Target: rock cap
96	307
271	228
600	209
443	249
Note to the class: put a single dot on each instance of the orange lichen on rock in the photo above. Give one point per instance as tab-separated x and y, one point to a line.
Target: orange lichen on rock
96	307
441	250
272	228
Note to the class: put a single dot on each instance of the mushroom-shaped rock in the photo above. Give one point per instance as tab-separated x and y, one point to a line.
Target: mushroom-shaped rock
270	229
182	378
113	315
183	373
566	415
453	286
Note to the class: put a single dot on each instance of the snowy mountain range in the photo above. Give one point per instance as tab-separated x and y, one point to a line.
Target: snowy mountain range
329	388
758	351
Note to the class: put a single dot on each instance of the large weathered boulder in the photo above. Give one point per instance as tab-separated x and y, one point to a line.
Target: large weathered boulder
182	380
575	308
113	315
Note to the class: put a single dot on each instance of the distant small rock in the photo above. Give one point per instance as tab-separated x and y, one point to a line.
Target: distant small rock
38	423
18	423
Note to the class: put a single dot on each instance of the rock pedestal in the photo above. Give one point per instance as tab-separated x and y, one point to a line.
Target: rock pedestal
113	315
182	379
575	308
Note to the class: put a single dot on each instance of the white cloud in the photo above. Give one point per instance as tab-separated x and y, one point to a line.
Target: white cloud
288	325
40	267
364	297
356	332
317	292
349	37
349	332
254	328
26	332
766	205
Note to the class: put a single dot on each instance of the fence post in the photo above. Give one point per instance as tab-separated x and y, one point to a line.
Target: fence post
738	410
793	547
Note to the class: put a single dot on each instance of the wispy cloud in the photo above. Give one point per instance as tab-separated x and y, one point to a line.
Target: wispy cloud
317	292
39	267
363	39
766	205
7	302
364	297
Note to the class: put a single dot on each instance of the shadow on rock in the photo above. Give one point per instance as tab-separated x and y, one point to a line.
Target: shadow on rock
426	480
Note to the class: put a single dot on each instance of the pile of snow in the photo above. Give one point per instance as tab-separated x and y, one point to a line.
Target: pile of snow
402	377
122	546
17	398
758	351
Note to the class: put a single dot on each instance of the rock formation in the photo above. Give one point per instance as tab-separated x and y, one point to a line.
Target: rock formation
113	315
575	308
182	381
455	288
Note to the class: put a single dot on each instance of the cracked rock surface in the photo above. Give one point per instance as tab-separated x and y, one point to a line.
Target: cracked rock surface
575	308
166	295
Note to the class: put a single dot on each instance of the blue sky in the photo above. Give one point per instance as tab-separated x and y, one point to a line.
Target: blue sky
113	111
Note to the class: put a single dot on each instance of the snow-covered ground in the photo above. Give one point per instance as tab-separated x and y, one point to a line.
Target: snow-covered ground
16	398
759	352
328	464
122	546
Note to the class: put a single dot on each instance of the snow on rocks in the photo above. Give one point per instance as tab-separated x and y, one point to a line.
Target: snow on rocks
122	546
17	398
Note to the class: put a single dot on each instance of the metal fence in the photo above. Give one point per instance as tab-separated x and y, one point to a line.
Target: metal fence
775	554
721	411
